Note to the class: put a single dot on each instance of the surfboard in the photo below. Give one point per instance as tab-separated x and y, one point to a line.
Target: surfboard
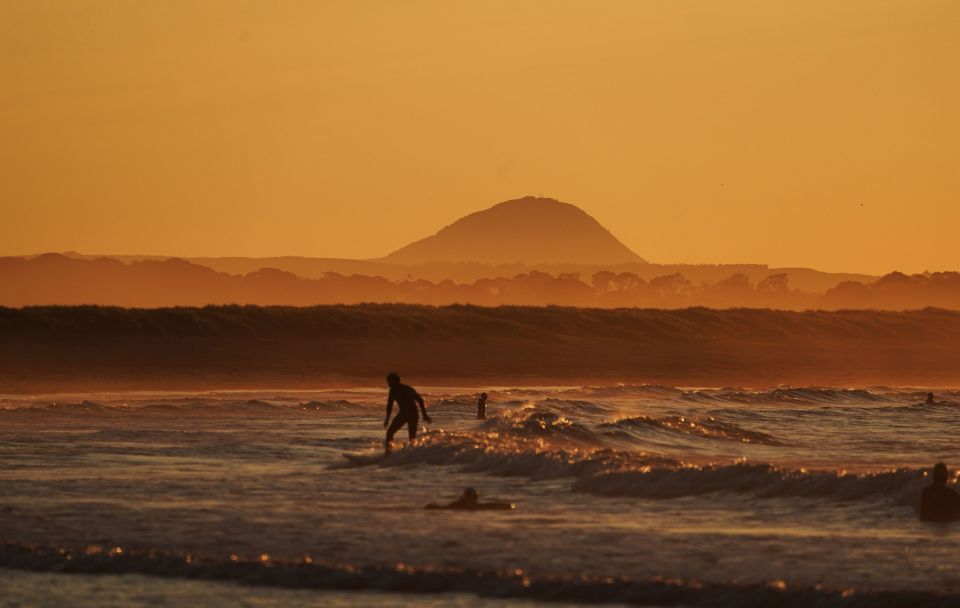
483	506
365	458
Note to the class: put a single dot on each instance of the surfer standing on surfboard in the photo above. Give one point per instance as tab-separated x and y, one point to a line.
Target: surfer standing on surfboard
407	399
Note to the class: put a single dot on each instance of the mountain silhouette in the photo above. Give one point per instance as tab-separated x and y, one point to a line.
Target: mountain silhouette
530	230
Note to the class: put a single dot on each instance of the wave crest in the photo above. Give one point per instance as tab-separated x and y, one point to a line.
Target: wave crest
710	428
790	395
902	486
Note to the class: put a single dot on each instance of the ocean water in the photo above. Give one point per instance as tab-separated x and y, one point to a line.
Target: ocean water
798	496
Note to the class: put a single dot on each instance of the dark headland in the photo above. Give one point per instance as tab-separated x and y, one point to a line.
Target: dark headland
530	229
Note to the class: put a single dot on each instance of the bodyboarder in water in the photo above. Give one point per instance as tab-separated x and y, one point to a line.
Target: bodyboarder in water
407	399
470	501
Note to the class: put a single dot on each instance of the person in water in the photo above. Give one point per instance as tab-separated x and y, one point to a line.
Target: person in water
470	501
407	399
929	400
482	406
938	502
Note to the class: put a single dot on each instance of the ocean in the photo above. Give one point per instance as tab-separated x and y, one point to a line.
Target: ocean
663	496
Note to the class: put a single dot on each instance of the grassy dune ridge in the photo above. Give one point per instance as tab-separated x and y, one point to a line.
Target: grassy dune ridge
54	348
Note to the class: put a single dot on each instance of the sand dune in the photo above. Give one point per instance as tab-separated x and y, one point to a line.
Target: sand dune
62	348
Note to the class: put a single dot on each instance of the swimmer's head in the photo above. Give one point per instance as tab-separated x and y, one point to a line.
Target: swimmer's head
940	474
484	395
393	379
470	495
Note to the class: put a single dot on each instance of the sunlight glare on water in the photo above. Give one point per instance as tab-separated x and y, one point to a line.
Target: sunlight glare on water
812	489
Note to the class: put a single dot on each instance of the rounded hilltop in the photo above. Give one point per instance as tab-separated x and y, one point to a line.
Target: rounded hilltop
531	230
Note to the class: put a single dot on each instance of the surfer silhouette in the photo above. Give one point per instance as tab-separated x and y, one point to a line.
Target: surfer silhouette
938	502
407	399
929	400
470	501
482	406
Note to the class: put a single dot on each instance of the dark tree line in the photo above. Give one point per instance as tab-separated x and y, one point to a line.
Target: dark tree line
56	279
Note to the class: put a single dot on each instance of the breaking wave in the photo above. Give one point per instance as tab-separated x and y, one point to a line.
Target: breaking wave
544	422
611	472
902	486
534	422
709	427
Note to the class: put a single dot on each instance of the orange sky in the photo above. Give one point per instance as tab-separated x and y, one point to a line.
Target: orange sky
815	133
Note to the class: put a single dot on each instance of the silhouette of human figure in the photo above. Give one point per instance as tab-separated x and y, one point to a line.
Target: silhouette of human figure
929	400
407	399
482	406
470	501
938	502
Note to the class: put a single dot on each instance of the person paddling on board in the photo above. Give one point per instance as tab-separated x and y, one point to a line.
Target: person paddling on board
407	399
470	501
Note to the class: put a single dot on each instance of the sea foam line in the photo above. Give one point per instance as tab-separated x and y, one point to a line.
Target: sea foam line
307	573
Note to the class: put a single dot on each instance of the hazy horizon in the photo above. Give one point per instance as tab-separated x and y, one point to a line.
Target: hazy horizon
817	135
386	258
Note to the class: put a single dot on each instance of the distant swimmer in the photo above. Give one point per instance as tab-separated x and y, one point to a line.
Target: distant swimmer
938	502
482	406
470	501
929	400
407	399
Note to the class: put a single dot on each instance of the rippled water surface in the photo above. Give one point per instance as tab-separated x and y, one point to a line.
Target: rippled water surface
629	493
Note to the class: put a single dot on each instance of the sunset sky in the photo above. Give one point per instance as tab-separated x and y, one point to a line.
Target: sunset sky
815	133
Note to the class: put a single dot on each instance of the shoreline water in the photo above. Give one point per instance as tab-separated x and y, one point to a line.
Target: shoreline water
469	586
39	588
625	493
